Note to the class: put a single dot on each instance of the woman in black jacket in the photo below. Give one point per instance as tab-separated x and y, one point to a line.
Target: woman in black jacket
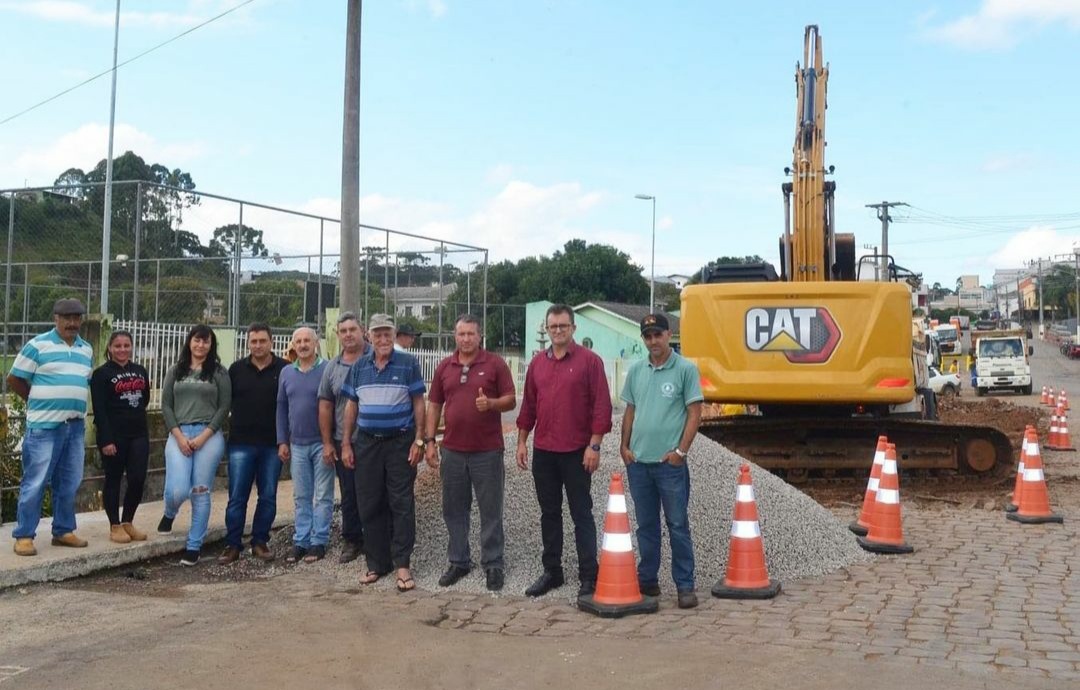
120	390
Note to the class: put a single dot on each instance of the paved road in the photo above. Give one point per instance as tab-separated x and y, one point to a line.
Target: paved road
1048	368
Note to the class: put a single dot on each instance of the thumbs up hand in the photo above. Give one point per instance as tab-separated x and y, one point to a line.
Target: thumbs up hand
482	402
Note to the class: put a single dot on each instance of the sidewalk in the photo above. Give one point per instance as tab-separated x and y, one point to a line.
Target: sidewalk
61	563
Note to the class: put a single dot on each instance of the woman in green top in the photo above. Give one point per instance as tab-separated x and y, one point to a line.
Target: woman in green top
194	401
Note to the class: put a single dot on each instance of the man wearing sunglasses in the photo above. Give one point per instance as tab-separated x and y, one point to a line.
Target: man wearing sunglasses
567	401
474	387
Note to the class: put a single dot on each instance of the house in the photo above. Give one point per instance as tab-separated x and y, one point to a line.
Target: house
419	302
610	329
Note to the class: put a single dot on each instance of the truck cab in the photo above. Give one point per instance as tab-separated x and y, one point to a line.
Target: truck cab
1001	363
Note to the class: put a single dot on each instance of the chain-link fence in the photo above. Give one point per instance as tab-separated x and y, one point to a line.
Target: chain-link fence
177	256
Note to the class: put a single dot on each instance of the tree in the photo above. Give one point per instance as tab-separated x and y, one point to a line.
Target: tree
223	242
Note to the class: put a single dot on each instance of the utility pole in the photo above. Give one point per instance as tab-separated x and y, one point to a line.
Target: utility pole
1041	331
350	165
106	230
883	216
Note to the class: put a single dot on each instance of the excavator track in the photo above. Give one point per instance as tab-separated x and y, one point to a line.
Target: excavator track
811	448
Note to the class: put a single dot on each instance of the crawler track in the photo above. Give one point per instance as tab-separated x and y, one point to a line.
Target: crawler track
814	449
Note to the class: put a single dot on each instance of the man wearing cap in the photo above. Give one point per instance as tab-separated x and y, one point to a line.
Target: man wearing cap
663	409
52	375
406	337
386	403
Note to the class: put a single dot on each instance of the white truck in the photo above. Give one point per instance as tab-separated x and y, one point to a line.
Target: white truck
1001	362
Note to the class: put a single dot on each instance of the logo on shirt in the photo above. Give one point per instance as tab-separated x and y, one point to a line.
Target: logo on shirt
667	389
805	335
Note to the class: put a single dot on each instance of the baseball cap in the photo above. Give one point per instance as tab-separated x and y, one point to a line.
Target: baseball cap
654	322
380	321
68	305
408	329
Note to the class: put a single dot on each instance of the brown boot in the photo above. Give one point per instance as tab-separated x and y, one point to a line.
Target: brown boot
118	535
24	546
132	532
70	539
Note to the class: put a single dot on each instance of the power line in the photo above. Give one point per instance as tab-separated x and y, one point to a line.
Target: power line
97	76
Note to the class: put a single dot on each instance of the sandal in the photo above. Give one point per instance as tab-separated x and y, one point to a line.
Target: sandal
371	577
406	584
297	554
316	553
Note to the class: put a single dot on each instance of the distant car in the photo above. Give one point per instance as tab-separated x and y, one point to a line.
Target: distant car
944	385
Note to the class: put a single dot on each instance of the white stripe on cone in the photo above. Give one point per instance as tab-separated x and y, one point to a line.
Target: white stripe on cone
879	457
872	485
744	494
889	468
745	529
616	503
617	543
1033	475
888	496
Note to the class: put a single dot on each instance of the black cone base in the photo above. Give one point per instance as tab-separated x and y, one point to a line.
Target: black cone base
878	547
589	604
858	529
722	591
1035	519
1011	507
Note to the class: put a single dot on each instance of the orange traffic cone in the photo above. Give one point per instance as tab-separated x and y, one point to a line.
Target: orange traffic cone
886	534
747	576
1051	399
862	523
1034	498
617	592
1015	498
1062	440
1045	399
1063	400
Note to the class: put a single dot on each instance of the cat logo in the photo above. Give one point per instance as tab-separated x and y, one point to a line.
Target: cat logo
805	335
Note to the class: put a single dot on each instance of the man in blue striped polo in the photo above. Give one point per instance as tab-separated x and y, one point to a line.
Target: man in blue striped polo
52	375
385	392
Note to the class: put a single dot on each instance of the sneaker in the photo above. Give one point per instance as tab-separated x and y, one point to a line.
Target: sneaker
349	552
452	575
687	600
190	558
119	535
70	539
165	526
24	546
495	579
133	532
652	590
230	555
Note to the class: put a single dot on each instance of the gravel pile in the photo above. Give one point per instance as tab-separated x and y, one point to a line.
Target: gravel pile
802	538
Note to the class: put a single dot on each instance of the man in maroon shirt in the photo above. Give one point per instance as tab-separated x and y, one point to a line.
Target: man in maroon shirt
476	387
567	401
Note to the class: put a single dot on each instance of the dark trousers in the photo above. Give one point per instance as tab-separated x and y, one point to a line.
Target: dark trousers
462	474
384	496
132	455
552	473
351	529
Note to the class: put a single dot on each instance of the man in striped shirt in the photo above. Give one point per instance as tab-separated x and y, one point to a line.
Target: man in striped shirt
52	375
385	390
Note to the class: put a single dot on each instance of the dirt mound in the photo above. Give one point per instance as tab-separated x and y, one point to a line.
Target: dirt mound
1005	416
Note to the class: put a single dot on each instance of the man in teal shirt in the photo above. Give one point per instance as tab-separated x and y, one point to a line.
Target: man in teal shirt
663	409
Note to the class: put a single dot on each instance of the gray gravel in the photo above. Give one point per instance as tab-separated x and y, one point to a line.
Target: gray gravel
802	539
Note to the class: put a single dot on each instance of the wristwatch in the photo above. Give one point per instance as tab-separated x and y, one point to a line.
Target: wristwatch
679	453
419	443
429	439
596	447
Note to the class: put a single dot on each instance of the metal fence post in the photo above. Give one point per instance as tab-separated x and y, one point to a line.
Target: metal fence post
484	317
138	244
319	313
7	281
439	306
157	291
89	282
236	282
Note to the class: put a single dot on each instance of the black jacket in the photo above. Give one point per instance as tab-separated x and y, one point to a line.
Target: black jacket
120	395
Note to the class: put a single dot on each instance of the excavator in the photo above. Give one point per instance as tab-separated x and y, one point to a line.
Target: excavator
823	350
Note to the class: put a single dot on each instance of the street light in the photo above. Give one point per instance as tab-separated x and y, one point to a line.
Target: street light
1076	274
468	287
652	268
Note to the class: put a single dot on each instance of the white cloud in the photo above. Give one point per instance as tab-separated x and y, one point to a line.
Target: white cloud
1028	245
87	145
436	8
99	15
999	24
1008	162
500	174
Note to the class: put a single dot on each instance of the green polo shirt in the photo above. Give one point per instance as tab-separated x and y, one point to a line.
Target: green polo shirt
660	396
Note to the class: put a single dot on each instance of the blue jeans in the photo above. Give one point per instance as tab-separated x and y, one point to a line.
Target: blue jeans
192	476
653	485
261	466
50	456
313	494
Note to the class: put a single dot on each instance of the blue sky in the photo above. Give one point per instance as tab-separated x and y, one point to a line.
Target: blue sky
519	125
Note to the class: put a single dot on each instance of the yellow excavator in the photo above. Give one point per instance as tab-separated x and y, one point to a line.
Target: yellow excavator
823	350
